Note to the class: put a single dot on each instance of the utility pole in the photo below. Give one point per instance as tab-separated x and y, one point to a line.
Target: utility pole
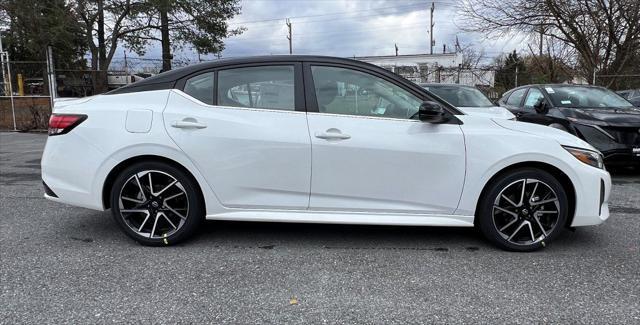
126	70
516	84
433	7
541	38
396	45
289	36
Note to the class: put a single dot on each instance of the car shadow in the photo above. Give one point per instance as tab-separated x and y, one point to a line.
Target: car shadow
100	228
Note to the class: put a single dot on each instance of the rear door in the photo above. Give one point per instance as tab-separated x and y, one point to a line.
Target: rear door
246	130
369	154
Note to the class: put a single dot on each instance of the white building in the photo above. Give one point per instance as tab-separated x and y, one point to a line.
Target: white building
433	68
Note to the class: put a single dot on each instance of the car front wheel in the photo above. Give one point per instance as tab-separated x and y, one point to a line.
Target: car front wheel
156	203
523	210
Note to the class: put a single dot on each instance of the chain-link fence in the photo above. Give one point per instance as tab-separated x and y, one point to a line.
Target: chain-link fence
25	102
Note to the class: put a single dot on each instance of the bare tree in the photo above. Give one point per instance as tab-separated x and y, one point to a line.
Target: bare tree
471	58
604	33
108	23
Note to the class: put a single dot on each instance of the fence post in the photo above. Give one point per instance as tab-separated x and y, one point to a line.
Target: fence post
52	76
4	59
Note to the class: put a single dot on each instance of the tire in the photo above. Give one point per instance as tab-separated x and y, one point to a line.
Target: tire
523	223
164	213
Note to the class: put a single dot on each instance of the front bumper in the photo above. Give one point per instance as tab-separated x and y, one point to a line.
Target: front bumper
619	145
593	189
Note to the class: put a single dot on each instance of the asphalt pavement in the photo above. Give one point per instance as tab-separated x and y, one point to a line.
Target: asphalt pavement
62	264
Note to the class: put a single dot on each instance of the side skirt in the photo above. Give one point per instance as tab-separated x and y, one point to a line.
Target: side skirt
345	218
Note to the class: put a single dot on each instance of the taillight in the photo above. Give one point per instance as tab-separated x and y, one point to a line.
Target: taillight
63	123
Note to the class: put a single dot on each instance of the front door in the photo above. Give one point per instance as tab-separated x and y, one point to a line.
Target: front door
529	113
246	137
371	154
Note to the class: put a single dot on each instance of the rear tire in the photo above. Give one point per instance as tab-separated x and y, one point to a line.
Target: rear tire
156	203
523	210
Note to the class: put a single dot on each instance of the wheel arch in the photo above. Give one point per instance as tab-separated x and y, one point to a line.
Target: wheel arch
111	177
562	177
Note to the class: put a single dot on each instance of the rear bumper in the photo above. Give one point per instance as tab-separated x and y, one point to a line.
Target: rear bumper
70	166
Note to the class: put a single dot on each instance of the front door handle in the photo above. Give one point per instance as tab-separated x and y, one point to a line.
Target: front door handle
332	134
188	123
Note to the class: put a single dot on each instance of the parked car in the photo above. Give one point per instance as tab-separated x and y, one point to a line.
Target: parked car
632	95
595	114
314	139
469	100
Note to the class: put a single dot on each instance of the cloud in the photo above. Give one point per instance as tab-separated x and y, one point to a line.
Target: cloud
347	28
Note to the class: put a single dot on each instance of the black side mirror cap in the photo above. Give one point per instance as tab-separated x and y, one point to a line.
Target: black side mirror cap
541	106
432	112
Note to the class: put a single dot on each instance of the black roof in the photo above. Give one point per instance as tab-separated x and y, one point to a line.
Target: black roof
169	78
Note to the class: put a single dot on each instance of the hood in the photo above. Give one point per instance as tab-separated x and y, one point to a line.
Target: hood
491	112
562	137
629	116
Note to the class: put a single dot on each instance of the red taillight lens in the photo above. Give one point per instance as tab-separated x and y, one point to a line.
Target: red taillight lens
63	123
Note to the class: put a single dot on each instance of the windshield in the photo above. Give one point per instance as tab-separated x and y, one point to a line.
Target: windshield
585	97
461	96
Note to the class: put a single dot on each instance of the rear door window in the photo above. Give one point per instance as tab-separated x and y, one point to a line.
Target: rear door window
267	87
200	87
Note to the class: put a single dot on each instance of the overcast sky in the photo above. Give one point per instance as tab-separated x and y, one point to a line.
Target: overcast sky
347	28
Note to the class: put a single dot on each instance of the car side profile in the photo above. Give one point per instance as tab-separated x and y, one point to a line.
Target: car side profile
468	99
317	140
595	114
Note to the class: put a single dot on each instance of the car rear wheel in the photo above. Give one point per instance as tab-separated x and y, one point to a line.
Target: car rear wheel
156	204
523	210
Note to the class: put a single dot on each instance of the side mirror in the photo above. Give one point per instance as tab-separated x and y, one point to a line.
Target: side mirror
432	112
541	106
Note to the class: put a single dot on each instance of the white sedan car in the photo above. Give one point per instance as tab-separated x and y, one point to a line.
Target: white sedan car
314	139
469	99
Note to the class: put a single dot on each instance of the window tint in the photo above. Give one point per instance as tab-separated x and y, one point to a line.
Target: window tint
344	91
270	87
532	98
201	87
585	97
516	97
461	96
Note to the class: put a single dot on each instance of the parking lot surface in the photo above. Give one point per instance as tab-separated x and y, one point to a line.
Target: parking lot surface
61	264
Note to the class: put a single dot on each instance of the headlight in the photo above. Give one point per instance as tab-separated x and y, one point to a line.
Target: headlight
588	157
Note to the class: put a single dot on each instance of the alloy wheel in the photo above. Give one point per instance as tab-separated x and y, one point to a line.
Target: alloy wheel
153	204
526	211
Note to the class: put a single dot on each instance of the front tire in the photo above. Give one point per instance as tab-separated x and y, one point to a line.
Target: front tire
156	203
523	210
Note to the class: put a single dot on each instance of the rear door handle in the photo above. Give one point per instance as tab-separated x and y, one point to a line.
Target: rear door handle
188	123
332	134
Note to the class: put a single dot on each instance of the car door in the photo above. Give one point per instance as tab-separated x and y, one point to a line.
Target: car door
249	137
527	110
369	154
